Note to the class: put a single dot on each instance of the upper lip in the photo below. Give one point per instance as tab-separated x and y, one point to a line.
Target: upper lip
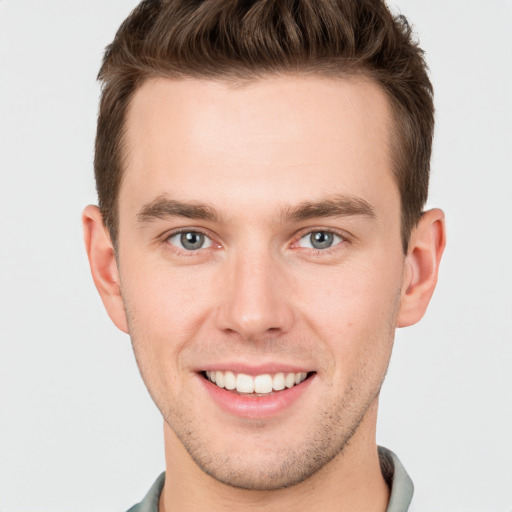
255	369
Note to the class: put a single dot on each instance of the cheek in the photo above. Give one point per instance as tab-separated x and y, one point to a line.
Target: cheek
165	306
354	312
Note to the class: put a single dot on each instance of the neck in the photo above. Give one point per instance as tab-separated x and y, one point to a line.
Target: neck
351	482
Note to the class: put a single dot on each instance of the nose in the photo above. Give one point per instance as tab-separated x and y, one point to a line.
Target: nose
257	298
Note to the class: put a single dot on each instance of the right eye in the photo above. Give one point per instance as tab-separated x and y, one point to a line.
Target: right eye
189	240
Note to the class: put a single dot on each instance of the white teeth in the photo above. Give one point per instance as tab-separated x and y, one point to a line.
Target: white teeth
244	383
263	384
299	377
260	384
229	380
278	382
289	380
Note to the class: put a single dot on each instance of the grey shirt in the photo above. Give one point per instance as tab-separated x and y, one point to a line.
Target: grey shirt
394	473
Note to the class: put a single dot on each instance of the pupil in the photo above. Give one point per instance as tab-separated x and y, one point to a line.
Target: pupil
192	240
321	239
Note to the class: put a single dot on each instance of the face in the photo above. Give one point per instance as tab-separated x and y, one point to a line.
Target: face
259	247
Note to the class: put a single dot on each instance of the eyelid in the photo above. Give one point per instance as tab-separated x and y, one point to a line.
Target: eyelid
345	237
164	238
178	231
207	241
336	240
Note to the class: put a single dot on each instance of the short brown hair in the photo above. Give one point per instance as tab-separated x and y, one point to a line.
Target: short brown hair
247	39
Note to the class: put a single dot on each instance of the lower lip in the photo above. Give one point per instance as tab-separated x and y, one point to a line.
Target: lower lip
256	407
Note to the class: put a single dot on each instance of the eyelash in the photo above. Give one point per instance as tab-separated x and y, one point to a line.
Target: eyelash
311	250
344	238
184	252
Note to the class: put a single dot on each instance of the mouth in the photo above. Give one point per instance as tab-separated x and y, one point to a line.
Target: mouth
255	385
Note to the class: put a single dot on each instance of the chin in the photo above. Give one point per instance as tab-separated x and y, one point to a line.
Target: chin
263	465
262	475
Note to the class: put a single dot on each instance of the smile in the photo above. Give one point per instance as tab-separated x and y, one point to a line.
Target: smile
258	384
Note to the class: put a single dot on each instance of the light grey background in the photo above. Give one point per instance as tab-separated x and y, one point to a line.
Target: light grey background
77	428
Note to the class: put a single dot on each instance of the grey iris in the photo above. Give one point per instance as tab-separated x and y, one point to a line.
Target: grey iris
321	239
192	240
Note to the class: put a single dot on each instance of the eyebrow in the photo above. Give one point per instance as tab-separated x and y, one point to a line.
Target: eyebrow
338	206
164	207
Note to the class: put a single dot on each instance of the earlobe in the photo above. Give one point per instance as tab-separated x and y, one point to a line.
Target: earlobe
426	247
102	260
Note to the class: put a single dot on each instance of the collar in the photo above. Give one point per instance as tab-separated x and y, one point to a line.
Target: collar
398	480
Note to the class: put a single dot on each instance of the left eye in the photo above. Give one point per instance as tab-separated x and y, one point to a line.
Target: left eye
320	240
190	240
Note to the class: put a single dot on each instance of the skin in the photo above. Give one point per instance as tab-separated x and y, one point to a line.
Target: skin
257	292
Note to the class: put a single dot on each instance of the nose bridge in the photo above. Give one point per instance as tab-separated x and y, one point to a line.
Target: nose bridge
256	300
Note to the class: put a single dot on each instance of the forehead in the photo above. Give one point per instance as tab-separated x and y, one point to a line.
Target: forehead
280	139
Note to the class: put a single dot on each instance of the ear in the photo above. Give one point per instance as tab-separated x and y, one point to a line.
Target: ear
426	247
102	260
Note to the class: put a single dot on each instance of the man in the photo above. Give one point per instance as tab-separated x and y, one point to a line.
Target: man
261	169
